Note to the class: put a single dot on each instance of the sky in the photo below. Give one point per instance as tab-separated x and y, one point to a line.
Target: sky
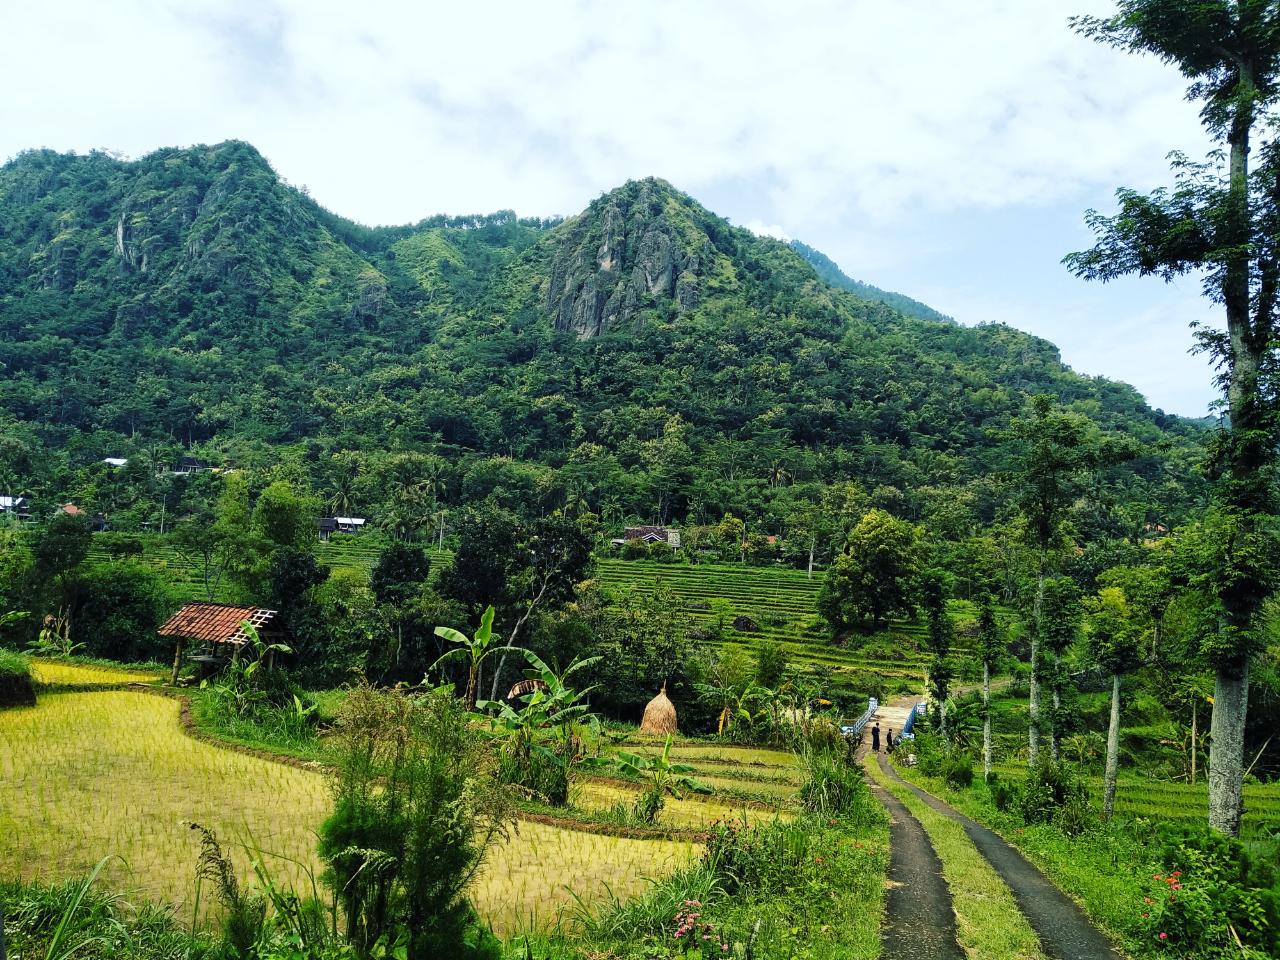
940	149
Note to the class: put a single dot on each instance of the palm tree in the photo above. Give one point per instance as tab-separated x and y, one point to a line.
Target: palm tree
341	489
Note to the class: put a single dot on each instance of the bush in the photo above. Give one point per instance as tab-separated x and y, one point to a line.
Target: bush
757	858
16	687
1004	796
416	804
832	786
1214	891
1047	789
957	770
541	777
125	602
1075	818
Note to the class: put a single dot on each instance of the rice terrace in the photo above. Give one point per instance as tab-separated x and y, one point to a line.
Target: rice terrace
622	579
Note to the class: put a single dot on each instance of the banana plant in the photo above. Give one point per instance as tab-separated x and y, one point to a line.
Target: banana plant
662	775
472	649
551	709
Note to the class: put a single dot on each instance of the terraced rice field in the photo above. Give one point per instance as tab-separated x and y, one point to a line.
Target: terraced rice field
56	672
83	775
690	813
1176	801
783	603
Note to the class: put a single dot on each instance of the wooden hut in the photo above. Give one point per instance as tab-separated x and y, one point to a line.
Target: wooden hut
659	715
216	628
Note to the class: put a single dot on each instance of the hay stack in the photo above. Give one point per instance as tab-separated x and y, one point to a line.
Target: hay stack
659	715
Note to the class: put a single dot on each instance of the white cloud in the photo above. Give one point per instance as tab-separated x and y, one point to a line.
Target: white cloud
757	227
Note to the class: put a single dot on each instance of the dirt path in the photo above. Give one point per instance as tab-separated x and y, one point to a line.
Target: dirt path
919	923
1065	932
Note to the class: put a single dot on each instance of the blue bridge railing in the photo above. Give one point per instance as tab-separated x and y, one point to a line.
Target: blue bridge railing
855	729
908	728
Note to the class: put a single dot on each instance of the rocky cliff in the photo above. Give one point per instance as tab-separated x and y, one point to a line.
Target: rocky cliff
629	249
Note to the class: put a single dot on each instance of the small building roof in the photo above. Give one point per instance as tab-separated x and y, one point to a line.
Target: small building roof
215	622
350	521
72	509
116	461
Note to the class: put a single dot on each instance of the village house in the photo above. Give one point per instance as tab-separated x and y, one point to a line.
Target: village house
650	534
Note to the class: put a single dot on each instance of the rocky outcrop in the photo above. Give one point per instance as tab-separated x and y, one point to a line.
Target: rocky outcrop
621	255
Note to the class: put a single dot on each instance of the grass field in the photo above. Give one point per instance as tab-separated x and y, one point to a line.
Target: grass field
83	775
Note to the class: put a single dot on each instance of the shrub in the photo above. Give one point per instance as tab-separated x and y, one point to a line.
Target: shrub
415	807
1004	796
1047	789
757	858
16	686
1075	818
541	776
957	770
1213	893
831	786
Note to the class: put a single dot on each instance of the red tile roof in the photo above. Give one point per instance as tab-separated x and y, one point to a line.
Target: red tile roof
215	622
71	508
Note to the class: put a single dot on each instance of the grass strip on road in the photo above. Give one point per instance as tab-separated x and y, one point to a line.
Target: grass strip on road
989	923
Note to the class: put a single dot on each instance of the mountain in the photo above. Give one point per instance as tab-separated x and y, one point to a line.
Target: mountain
833	276
645	346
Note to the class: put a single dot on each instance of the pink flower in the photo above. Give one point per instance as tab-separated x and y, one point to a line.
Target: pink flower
1156	877
1145	915
1164	936
724	947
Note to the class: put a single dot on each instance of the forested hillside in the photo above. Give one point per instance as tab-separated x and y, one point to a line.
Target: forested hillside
832	275
658	361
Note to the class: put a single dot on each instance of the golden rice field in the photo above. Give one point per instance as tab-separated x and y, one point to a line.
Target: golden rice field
692	812
84	775
746	755
54	672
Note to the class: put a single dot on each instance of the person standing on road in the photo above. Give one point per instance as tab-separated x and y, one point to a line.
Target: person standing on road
888	742
875	739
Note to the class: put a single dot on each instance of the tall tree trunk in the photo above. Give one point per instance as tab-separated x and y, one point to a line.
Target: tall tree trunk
1055	748
811	558
1249	454
1194	712
1113	751
986	720
1033	730
1226	750
177	662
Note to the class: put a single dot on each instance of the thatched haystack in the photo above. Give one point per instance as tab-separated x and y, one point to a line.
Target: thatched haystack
659	715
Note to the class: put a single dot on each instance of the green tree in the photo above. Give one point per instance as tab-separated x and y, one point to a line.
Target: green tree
875	577
1060	614
59	551
285	516
1050	453
416	805
1111	643
935	588
1220	221
991	648
474	650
